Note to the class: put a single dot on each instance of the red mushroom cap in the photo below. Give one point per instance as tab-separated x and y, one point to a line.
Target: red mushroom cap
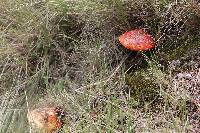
47	119
137	40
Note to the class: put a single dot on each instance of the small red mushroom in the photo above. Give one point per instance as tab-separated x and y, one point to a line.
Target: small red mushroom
46	119
137	40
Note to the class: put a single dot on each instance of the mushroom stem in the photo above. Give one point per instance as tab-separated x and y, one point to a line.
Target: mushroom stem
137	58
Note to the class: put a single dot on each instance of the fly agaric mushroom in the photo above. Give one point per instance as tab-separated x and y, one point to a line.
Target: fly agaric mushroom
137	40
46	119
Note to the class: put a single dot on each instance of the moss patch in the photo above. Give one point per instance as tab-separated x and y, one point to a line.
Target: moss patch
143	86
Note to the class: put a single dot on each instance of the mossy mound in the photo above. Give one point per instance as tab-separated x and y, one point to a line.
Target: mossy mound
143	86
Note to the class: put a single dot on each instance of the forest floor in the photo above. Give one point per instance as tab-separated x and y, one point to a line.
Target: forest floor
66	53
